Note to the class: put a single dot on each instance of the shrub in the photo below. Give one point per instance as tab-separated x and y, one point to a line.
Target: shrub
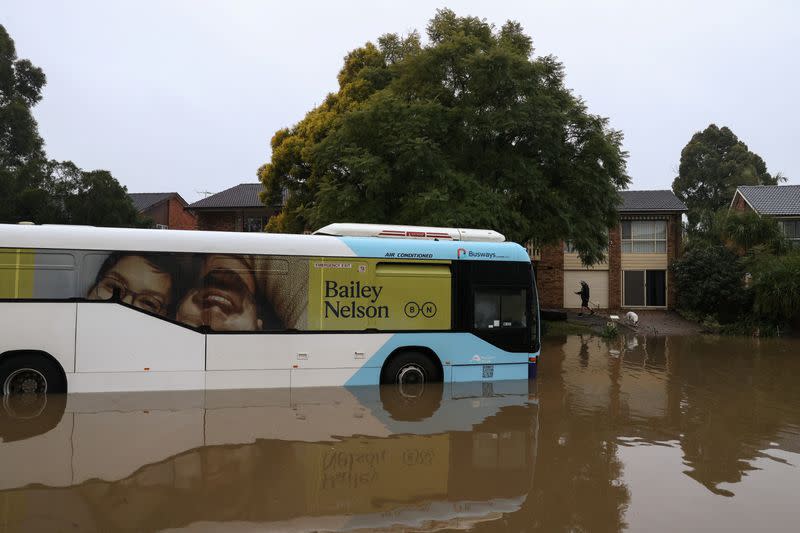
745	231
776	288
609	331
710	282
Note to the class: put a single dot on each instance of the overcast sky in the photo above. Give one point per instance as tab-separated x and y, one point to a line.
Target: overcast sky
185	95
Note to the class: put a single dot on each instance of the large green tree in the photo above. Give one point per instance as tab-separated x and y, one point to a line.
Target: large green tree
21	148
713	164
468	129
33	188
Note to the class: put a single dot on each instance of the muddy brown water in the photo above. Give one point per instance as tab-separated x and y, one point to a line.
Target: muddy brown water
646	434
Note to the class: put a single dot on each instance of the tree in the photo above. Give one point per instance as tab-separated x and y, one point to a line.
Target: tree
743	233
466	130
713	164
33	188
95	198
21	148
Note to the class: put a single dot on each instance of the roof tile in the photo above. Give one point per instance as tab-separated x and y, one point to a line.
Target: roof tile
242	195
772	199
145	200
650	201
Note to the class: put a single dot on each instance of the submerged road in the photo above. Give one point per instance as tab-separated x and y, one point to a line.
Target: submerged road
640	433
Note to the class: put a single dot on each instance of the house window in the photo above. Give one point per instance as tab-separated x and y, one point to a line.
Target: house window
791	228
644	237
254	224
644	288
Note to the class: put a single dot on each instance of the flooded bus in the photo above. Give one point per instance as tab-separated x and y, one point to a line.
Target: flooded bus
86	309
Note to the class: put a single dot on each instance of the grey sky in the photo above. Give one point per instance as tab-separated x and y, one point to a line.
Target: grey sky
185	96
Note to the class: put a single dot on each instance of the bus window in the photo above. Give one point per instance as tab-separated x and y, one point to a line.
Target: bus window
500	308
36	274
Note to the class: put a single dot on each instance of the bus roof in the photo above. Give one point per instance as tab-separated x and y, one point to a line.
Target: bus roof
66	237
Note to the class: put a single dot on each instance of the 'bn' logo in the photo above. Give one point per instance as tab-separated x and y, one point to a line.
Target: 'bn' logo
413	309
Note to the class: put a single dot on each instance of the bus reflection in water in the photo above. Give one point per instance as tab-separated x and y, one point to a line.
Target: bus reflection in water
334	459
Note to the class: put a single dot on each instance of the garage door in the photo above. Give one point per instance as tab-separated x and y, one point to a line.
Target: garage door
598	288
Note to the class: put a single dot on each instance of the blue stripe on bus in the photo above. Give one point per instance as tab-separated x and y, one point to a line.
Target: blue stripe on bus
426	249
453	349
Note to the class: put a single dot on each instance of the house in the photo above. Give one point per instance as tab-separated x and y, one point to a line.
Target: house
166	209
636	272
781	202
236	209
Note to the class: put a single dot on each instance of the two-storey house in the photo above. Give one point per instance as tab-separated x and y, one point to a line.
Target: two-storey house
636	272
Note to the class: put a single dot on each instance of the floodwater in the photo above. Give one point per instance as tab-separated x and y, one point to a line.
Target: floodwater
646	434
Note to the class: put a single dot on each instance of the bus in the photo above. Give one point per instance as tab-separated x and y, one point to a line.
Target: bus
85	309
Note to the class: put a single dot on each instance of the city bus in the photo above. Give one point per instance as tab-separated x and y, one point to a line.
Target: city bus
85	309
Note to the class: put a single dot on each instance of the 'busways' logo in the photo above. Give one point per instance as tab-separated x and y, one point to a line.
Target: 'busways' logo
467	253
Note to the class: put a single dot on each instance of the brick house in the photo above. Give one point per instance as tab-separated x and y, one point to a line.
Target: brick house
636	272
781	202
236	209
167	209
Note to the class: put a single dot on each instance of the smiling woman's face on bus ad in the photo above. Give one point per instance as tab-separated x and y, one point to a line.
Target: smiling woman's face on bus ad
223	296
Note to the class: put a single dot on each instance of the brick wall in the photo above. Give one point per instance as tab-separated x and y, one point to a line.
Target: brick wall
614	267
158	213
219	221
550	277
739	204
674	251
179	217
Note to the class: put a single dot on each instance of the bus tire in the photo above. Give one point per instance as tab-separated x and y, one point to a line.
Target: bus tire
30	373
410	368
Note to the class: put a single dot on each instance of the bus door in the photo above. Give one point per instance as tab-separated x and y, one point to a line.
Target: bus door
494	301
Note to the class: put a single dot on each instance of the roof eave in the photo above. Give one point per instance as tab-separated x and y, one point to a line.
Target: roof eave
739	192
638	211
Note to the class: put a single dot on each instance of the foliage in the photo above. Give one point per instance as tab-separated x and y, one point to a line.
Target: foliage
747	230
21	148
742	232
609	331
33	188
466	130
776	287
709	281
712	165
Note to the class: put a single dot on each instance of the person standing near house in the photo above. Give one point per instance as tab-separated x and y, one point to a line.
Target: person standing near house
584	294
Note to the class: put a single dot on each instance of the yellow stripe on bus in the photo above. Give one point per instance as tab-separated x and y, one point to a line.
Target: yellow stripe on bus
17	273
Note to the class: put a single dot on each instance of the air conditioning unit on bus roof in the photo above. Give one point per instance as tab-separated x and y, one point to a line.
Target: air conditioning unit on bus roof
410	232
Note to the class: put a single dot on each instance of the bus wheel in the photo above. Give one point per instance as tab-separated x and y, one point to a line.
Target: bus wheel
30	374
410	369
